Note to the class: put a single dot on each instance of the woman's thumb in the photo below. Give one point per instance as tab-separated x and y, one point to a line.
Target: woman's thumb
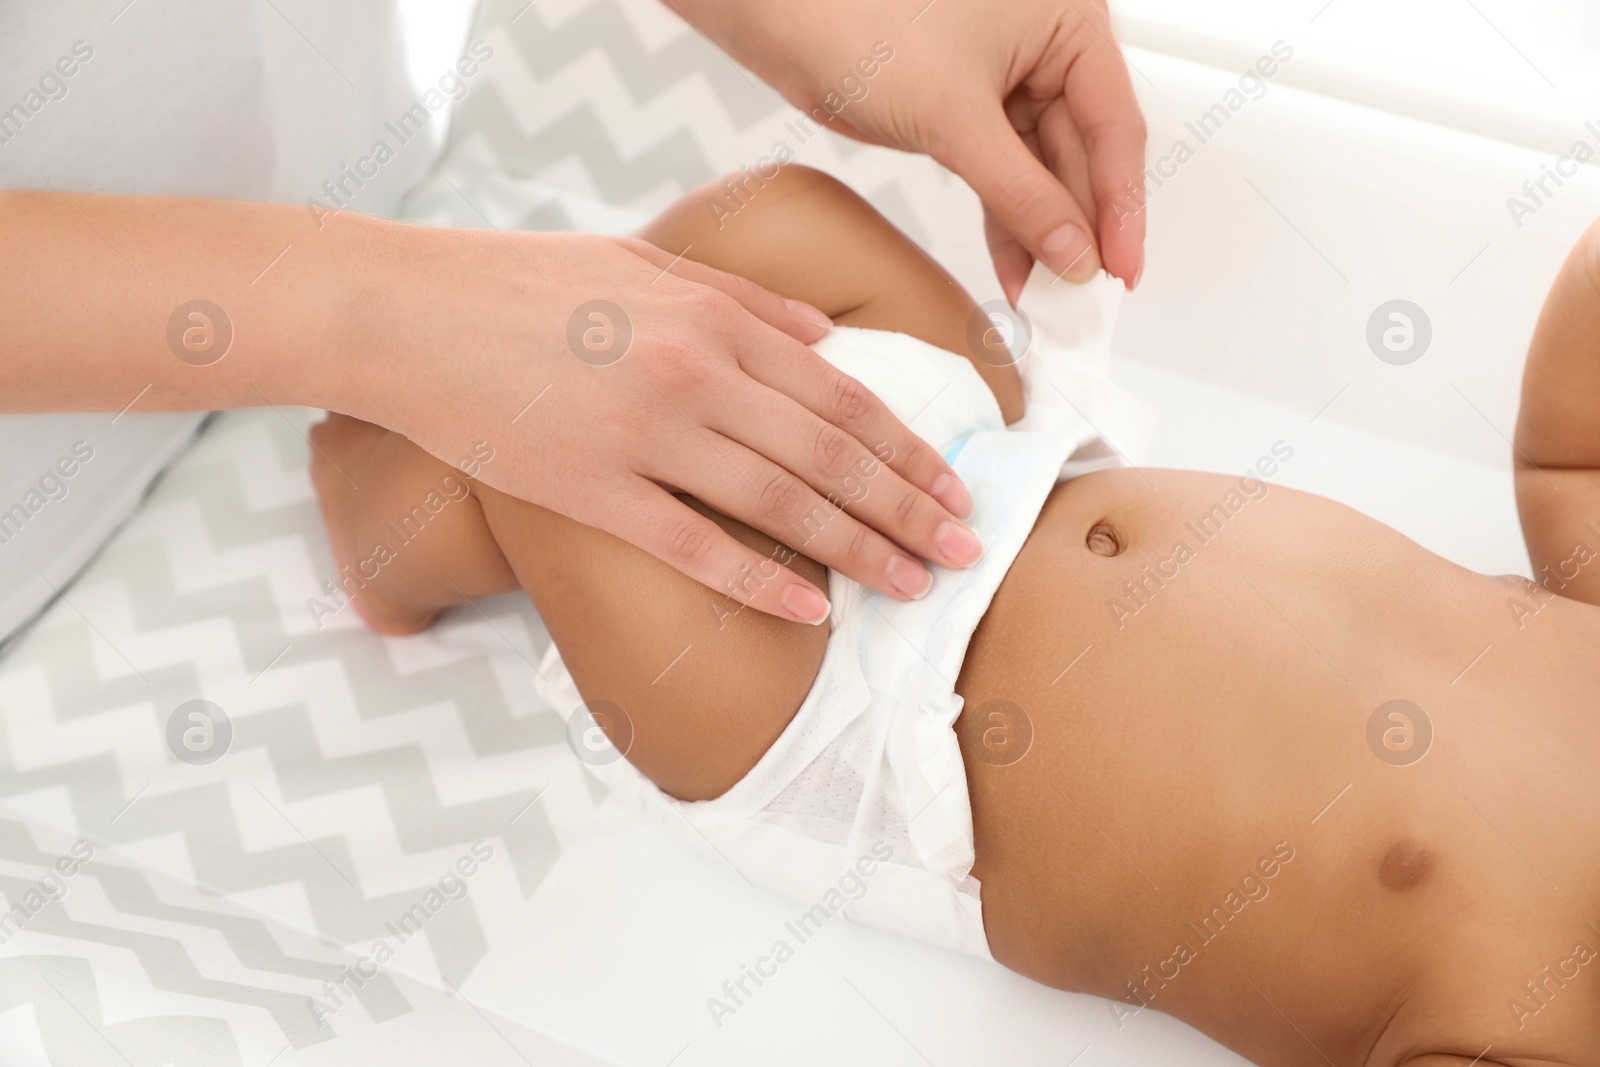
1022	195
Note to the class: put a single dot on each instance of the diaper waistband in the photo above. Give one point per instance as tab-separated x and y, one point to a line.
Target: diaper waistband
1010	475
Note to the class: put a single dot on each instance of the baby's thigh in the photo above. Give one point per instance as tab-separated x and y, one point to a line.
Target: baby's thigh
706	684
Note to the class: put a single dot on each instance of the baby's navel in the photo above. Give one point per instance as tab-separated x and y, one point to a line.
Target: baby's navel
1103	540
1405	865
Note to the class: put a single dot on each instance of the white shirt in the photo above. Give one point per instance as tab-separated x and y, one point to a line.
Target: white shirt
236	99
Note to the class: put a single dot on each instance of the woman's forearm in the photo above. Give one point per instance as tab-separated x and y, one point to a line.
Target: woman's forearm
102	303
598	370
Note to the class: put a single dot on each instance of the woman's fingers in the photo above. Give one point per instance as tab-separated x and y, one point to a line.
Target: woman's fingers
1026	198
1059	143
810	457
648	516
850	494
773	500
1012	261
838	400
1099	95
794	317
942	93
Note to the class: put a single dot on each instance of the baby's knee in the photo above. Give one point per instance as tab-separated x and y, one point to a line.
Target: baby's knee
798	180
759	191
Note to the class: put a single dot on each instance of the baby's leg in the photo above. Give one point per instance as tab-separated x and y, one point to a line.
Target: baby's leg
400	561
706	686
1558	431
806	236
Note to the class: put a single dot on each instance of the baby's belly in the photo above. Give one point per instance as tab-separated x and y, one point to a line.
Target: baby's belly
1248	757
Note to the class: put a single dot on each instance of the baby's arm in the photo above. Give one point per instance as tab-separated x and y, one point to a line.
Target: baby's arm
1558	431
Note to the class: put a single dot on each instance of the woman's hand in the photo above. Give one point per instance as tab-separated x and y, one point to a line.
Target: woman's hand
605	374
598	373
1028	100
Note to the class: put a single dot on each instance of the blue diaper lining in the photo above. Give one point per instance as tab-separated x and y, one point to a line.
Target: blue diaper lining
955	449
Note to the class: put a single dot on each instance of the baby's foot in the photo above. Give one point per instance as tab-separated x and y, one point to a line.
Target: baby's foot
346	458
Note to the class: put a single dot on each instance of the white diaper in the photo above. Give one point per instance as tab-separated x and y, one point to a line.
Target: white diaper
868	777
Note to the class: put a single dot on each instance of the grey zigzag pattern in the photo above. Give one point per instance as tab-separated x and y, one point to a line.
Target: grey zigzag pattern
203	816
324	868
676	157
169	967
579	133
65	1001
249	610
605	27
165	960
252	616
620	177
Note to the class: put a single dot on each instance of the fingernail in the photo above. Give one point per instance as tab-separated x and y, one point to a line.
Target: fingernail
959	544
948	490
909	578
805	604
1136	276
810	314
1069	253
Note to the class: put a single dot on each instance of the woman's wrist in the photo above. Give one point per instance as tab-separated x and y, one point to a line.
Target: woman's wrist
343	360
179	305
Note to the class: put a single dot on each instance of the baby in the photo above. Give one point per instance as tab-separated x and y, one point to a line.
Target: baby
1319	792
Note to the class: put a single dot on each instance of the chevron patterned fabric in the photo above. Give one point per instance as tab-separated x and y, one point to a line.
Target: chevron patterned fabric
362	777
